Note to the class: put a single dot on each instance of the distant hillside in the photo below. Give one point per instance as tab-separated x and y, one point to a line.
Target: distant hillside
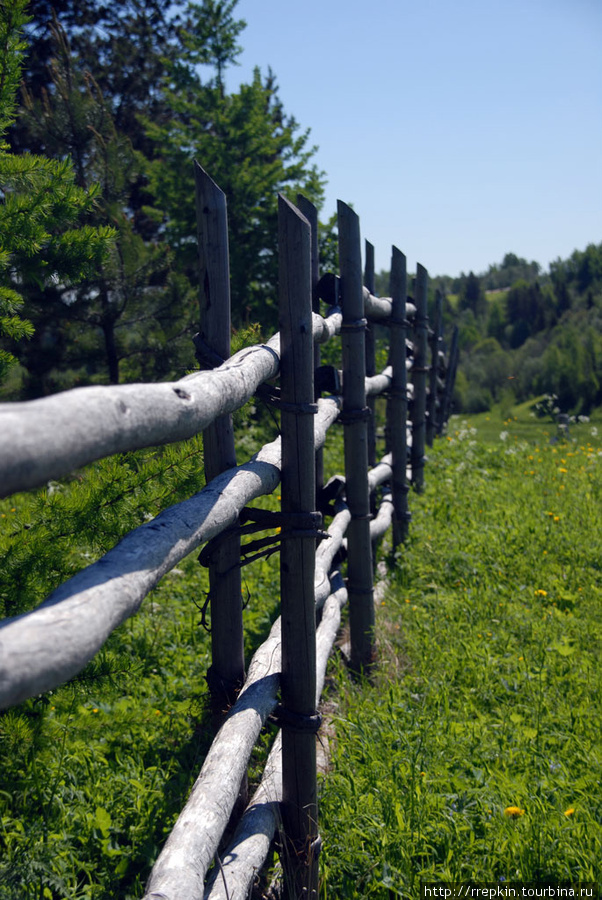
525	332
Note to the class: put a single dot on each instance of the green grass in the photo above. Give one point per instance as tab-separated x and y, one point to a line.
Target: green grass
94	774
487	695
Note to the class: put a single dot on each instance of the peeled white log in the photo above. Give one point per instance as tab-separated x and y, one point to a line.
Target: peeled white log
383	519
380	307
325	329
47	438
185	859
183	863
378	384
180	870
381	472
250	845
45	647
251	842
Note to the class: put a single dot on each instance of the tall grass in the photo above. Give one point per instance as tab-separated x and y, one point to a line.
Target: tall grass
475	753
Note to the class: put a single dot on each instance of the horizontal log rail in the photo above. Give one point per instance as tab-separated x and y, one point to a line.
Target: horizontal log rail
45	647
46	439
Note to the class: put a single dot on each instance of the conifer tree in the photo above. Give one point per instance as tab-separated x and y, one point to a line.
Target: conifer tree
42	240
130	308
249	146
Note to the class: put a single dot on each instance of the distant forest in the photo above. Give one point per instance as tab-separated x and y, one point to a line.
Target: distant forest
524	333
103	108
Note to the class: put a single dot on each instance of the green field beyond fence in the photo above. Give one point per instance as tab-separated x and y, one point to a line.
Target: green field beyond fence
476	755
475	752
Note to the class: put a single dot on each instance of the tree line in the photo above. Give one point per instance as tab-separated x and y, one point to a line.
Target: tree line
524	332
535	333
105	107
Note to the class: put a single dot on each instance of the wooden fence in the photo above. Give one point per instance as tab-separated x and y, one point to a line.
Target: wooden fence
46	439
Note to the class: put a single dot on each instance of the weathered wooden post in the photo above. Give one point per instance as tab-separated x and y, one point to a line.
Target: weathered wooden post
450	377
307	209
431	425
397	402
298	715
370	356
227	671
355	419
419	373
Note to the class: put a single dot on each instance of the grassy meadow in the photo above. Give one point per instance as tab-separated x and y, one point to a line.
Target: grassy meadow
473	753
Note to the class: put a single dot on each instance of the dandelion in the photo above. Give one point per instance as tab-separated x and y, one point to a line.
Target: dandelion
569	812
557	518
514	812
94	710
563	470
541	593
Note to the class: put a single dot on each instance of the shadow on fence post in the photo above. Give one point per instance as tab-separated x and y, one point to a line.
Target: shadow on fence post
397	403
431	425
419	373
450	378
354	418
298	716
370	358
227	672
307	209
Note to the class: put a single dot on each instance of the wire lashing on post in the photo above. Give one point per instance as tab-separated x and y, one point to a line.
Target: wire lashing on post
352	325
297	722
292	525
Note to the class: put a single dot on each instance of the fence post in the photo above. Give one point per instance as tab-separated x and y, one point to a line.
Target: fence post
431	426
419	373
307	209
227	671
397	403
354	417
297	558
450	378
370	356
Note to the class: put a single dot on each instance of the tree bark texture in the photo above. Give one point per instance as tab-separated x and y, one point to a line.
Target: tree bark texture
419	373
360	588
227	671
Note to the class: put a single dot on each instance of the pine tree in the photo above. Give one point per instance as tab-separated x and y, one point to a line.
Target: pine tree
249	146
42	240
132	307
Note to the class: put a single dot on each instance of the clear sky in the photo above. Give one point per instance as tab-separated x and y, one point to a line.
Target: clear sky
459	130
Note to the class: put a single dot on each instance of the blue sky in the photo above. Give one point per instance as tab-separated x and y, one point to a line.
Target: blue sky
459	130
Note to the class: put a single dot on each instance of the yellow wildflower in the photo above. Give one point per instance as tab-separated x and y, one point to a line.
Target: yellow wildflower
541	593
569	812
514	812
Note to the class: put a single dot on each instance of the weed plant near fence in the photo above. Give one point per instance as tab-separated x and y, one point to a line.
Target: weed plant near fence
475	754
42	648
